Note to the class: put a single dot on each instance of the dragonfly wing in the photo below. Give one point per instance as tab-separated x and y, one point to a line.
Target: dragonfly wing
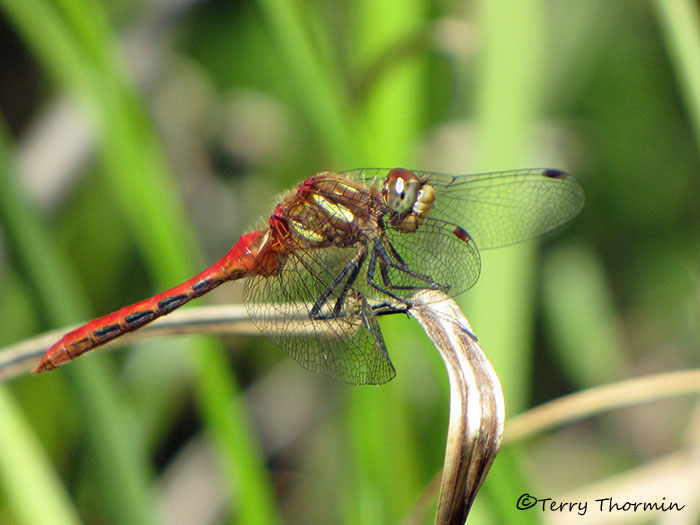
502	208
346	344
499	208
440	250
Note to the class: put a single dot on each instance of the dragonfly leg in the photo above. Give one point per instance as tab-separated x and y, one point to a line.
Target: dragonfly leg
371	268
382	246
351	271
385	262
388	309
362	254
386	278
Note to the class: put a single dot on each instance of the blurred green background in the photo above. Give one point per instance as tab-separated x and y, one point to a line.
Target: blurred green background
140	139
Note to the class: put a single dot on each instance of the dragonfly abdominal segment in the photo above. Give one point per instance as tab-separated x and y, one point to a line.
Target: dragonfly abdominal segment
344	248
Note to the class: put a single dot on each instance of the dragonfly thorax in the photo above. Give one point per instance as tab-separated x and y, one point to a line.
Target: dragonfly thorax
327	211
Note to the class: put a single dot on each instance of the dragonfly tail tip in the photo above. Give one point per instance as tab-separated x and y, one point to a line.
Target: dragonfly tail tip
44	365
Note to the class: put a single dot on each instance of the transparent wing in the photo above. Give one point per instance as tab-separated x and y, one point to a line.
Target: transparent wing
500	208
439	250
346	345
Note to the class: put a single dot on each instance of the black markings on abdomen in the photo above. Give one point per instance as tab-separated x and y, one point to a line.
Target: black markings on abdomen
77	347
111	330
171	303
204	286
139	318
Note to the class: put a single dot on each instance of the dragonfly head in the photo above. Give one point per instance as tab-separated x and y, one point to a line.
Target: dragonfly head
410	200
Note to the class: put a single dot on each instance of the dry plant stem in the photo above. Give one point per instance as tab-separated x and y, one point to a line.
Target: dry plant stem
596	400
477	408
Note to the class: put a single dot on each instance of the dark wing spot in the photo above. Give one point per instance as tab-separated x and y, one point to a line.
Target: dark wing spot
555	174
462	234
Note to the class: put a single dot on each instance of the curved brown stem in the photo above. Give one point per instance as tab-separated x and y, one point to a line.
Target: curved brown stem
477	407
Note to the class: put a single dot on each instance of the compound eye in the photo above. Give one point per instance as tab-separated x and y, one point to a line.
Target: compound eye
400	190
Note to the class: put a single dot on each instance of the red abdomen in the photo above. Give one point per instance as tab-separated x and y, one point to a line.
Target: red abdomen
240	261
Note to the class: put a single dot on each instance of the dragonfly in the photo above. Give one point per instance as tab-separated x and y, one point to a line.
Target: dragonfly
347	247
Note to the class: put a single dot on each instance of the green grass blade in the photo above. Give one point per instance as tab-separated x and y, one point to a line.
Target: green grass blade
317	89
29	482
507	102
680	22
582	318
